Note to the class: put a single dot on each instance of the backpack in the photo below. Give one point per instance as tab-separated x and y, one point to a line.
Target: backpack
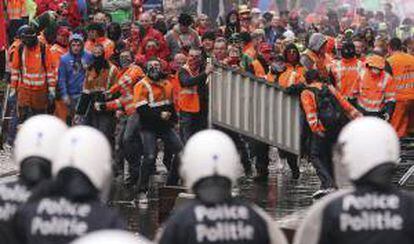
330	111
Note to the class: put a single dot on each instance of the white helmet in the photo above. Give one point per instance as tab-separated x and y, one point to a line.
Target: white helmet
366	143
111	237
209	153
38	137
88	150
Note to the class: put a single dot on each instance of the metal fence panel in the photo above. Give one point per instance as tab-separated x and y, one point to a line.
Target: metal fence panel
255	108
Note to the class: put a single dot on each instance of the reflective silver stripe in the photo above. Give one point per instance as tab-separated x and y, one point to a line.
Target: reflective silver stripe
406	86
33	83
292	78
409	76
188	91
370	102
150	92
142	103
160	103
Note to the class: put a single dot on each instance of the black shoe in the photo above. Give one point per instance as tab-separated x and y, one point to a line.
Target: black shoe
261	178
295	174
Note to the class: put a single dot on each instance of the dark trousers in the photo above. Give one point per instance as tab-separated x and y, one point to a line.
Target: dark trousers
190	123
149	141
132	145
103	121
25	113
321	159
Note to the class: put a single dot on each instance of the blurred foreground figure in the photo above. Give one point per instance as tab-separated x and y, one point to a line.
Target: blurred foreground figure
210	166
111	237
34	150
373	212
70	206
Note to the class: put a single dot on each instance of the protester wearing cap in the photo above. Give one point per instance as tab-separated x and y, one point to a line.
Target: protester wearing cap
71	74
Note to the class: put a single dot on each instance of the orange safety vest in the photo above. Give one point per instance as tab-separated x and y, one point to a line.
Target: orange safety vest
260	72
153	94
108	45
101	82
292	76
57	52
250	51
310	106
402	65
29	72
318	63
347	75
188	97
374	91
127	80
16	9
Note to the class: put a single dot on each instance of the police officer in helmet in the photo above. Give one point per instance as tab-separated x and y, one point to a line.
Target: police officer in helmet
70	206
210	167
375	211
34	149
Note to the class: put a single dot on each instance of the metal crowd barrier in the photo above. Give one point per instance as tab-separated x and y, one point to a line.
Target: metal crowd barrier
244	104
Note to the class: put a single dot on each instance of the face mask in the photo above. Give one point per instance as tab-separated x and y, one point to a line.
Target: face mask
124	62
154	74
279	68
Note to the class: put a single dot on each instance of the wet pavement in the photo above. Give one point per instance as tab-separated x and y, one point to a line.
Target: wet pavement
280	196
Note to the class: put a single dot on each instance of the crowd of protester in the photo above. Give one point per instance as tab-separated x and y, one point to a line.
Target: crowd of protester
144	77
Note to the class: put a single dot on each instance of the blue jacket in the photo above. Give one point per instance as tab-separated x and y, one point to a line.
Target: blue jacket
71	74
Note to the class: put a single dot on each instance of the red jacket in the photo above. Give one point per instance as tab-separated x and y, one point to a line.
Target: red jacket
3	40
152	33
45	5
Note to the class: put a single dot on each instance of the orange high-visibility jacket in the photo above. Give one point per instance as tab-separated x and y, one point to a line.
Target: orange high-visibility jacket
402	65
125	85
346	73
310	106
29	72
101	82
127	80
260	72
319	63
374	91
57	52
153	94
16	9
293	75
189	100
109	45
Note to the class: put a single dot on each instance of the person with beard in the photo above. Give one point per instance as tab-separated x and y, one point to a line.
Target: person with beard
360	49
100	76
153	96
71	74
32	76
232	24
193	99
34	155
128	143
345	73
